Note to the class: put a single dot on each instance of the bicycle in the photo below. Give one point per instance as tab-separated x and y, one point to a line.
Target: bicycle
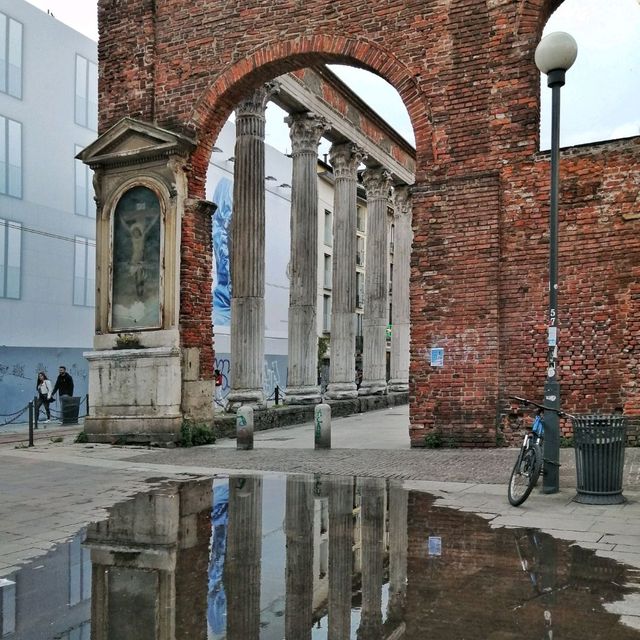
529	464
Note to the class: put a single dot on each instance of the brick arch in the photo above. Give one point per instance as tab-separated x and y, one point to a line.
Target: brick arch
278	57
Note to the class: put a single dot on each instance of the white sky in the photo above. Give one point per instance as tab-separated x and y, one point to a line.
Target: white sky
600	101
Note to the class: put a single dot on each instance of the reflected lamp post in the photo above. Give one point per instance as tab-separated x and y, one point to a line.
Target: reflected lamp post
554	55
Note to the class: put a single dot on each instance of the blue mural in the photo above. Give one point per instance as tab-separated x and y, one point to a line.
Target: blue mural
223	197
19	367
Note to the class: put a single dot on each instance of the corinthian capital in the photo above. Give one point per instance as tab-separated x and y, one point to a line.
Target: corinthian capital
377	182
401	200
305	130
345	158
256	104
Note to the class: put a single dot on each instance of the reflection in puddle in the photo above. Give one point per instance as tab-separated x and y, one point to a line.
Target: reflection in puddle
313	558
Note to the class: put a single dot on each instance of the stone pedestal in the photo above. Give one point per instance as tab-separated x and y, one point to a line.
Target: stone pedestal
345	159
248	253
377	183
137	395
400	333
302	387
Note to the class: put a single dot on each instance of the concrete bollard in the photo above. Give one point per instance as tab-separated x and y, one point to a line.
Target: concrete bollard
244	428
323	426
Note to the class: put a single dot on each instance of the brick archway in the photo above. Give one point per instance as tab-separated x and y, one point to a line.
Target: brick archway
465	71
278	57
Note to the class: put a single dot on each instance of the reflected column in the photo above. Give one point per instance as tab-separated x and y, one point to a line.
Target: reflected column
340	491
372	505
400	312
243	558
299	572
377	183
302	387
345	159
398	542
247	252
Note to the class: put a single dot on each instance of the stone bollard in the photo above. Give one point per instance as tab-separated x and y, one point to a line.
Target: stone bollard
323	426
244	428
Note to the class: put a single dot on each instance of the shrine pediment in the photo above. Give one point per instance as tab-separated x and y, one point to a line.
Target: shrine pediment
133	142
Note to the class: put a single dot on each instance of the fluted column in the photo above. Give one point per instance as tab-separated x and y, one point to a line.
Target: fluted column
243	558
398	542
400	331
340	490
372	509
345	159
377	183
299	572
247	253
302	383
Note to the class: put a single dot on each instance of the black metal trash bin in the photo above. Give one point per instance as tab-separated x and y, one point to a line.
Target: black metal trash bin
69	409
599	442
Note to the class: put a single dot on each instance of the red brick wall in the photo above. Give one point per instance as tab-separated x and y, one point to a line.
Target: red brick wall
465	71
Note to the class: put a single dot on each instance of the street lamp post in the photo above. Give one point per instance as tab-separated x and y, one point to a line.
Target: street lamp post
554	56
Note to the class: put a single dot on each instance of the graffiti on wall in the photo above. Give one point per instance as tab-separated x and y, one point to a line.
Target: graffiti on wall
274	373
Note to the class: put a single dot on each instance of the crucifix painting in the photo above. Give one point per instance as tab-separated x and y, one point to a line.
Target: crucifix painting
136	261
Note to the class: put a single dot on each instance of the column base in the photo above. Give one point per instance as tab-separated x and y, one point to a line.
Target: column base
253	398
373	388
341	391
303	395
398	386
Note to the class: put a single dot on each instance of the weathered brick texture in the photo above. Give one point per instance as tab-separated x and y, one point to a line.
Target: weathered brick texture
465	71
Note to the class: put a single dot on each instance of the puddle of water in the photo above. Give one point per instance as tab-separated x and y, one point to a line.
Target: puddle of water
313	558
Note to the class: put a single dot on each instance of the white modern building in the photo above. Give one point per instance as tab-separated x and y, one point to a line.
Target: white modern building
48	112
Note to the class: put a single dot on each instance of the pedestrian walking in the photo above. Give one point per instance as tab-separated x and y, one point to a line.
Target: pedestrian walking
64	383
43	385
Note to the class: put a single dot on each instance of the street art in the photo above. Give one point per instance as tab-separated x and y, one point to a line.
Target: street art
274	373
223	197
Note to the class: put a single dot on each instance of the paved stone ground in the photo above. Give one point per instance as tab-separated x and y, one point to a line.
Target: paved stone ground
53	489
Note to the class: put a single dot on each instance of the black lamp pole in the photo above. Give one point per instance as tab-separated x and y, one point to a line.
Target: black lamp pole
554	55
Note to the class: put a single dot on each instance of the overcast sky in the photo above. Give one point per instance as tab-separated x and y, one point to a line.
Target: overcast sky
600	101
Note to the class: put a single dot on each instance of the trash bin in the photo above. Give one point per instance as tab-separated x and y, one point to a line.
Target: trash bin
69	409
599	442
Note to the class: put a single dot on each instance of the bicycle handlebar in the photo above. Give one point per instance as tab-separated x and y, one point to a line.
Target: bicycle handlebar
544	407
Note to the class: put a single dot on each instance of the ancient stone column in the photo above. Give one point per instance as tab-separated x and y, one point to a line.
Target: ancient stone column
243	558
372	509
400	331
398	542
377	183
299	570
302	384
247	253
345	159
340	491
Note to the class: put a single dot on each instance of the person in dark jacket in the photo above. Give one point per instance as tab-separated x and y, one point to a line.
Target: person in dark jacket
64	383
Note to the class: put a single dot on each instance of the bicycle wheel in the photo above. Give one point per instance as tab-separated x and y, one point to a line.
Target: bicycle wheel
524	475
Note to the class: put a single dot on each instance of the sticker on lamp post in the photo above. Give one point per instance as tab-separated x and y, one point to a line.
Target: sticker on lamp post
437	357
553	336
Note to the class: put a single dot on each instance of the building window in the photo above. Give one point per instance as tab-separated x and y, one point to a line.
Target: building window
10	157
328	228
359	290
326	314
360	251
327	271
84	280
84	203
361	219
86	93
10	56
10	258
